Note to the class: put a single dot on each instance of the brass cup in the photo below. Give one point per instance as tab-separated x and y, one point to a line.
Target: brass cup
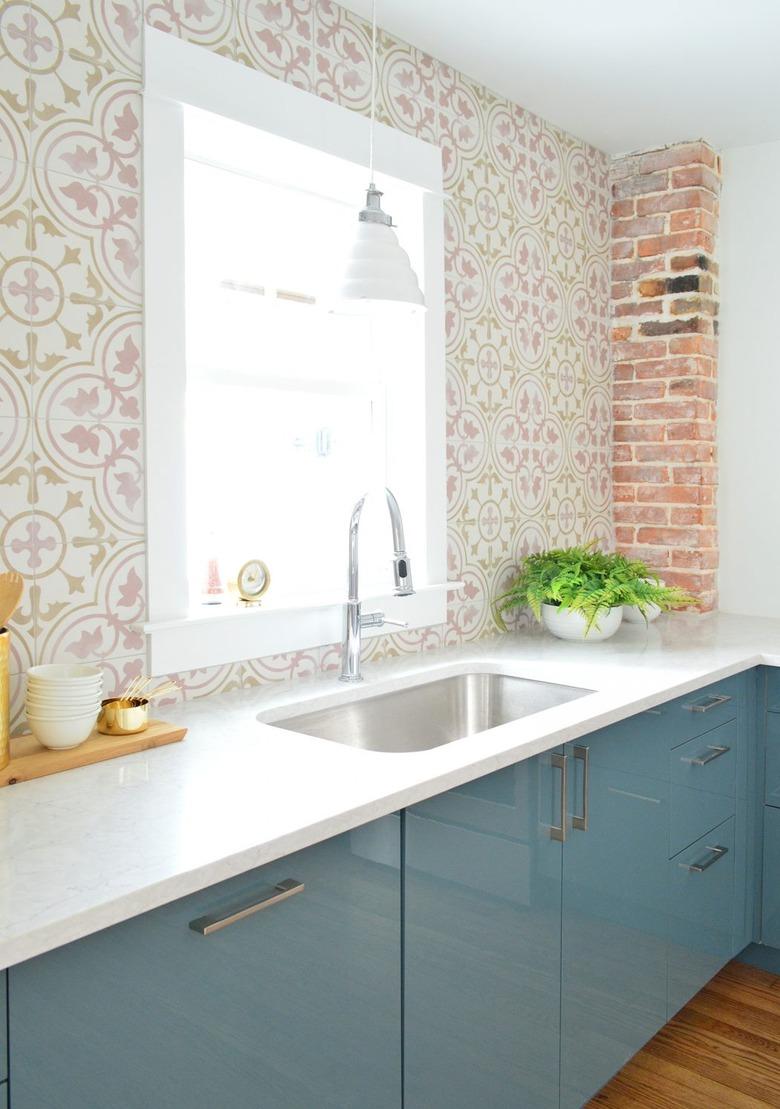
5	698
123	717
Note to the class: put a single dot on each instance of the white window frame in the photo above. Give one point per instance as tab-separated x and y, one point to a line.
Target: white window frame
176	74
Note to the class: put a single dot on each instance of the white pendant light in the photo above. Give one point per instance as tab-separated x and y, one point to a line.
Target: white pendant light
378	268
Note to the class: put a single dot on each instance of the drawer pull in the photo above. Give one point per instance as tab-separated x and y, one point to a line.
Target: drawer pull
582	754
558	831
205	925
707	703
697	868
702	760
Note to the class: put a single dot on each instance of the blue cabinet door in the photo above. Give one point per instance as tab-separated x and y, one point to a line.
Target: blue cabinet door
294	1007
482	900
614	933
770	900
702	896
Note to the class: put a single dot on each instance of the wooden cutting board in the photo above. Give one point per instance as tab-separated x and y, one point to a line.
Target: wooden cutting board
29	759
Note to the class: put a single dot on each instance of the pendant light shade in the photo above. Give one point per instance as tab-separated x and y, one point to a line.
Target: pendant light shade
378	268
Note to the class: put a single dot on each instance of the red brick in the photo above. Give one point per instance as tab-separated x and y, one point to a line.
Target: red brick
666	410
624	493
621	289
692	218
680	240
640	308
623	249
669	494
673	452
625	350
689	262
623	371
642	513
694	344
638	433
640	185
695	475
632	228
652	287
657	558
624	534
696	559
682	154
671	202
693	515
638	390
620	334
664	367
630	271
623	412
621	452
697	177
643	474
622	208
668	537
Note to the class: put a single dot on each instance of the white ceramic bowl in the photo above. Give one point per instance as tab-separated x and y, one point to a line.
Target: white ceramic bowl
62	734
566	624
59	712
64	697
65	671
64	690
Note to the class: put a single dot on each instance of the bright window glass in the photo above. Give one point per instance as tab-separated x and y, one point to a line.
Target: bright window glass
290	404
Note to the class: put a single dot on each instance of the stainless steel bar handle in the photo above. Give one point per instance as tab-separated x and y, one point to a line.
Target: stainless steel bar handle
707	703
582	754
213	922
697	868
558	831
702	760
653	712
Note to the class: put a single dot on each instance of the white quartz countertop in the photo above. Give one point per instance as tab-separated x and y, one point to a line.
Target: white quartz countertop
87	848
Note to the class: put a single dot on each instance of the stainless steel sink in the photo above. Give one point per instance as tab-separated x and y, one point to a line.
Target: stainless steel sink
433	713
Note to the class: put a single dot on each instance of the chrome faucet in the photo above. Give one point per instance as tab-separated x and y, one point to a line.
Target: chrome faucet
354	620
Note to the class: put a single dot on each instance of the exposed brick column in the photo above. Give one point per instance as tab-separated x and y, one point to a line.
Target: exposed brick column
665	349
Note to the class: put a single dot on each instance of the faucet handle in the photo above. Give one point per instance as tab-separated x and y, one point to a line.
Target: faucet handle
378	620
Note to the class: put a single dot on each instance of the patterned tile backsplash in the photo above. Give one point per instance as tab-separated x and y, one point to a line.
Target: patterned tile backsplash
528	405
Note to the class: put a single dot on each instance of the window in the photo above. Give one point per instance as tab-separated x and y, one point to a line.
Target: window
270	407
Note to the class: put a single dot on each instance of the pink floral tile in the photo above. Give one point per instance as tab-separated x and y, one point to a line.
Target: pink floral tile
16	51
342	43
90	598
275	48
104	35
89	475
97	140
209	23
102	383
15	186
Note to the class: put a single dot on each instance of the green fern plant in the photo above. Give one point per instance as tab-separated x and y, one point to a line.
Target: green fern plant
588	581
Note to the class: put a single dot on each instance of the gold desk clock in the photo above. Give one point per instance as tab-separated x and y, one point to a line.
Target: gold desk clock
254	577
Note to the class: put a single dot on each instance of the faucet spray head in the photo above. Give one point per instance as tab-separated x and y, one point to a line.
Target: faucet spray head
402	574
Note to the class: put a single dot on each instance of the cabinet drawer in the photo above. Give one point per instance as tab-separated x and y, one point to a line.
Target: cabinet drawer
703	776
701	903
772	778
640	744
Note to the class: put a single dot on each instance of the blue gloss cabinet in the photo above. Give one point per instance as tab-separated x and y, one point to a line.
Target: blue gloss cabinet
613	991
294	1007
482	942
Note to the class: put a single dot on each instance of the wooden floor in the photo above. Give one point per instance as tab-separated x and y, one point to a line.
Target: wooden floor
722	1049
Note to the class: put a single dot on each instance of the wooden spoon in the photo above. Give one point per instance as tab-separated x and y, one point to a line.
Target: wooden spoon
11	585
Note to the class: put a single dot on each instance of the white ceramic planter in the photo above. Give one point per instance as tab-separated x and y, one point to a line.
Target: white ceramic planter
567	624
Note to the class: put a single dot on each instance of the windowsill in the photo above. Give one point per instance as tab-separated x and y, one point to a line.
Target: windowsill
213	635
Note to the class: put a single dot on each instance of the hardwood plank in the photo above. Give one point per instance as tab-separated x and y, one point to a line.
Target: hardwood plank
722	1051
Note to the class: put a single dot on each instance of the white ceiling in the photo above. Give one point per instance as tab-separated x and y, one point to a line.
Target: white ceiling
623	74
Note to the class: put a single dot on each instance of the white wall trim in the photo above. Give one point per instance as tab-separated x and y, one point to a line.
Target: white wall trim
176	74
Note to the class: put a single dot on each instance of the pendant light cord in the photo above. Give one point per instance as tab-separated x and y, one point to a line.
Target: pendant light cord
373	95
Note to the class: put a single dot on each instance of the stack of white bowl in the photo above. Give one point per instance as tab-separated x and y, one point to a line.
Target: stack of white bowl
63	702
